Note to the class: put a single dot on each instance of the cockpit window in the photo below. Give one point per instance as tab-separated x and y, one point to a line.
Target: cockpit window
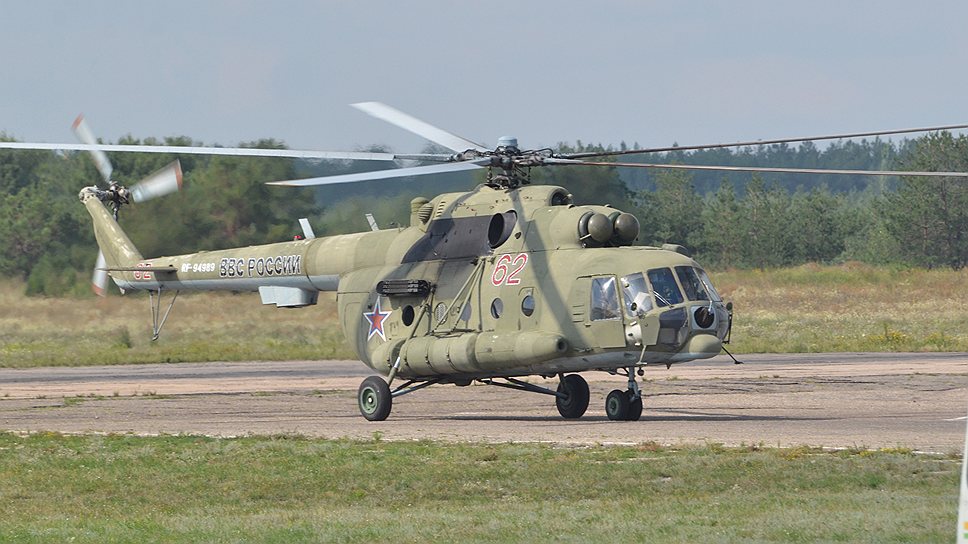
604	299
664	287
691	284
637	298
709	286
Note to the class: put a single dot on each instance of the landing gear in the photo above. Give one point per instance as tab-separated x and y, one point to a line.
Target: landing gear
374	398
635	409
573	396
617	405
625	405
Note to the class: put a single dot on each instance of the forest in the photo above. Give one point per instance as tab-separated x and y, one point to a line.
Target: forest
727	221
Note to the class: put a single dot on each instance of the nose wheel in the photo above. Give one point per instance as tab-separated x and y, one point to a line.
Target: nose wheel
625	405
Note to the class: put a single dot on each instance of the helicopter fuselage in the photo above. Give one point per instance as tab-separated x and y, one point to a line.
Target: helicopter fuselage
493	282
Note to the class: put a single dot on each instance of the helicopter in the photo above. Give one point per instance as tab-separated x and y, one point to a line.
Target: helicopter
492	285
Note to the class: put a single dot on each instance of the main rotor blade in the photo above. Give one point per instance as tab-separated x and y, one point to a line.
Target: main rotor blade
101	161
759	142
570	162
407	122
231	151
386	174
160	183
99	281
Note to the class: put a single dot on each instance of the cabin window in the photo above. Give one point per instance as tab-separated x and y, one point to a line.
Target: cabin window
527	305
408	315
497	308
605	303
664	287
636	294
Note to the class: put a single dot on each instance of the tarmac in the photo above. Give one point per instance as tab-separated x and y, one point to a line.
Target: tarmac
835	400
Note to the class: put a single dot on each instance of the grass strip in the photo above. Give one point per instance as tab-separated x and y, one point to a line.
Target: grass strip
293	489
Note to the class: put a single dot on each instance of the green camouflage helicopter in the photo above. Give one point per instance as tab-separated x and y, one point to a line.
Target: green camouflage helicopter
505	281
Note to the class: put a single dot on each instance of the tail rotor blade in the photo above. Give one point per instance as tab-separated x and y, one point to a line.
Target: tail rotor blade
99	281
84	134
165	181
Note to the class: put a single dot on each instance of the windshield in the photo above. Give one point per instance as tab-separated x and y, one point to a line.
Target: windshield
691	284
709	285
664	287
637	299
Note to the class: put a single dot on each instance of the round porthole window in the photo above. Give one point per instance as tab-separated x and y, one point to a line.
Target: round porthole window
527	305
408	315
497	308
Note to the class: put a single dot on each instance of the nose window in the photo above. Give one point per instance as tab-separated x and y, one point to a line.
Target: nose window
693	286
709	286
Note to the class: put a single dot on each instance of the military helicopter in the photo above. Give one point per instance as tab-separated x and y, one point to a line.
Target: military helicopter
492	285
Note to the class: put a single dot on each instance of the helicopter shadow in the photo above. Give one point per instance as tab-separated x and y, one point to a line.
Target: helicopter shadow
680	416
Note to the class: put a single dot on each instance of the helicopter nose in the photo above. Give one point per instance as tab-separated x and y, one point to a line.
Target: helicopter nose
701	346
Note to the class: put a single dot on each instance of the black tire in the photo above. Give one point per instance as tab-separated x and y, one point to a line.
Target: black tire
635	409
374	399
617	405
574	404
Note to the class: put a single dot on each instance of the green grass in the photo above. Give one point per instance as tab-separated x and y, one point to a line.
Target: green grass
39	331
803	309
290	489
851	307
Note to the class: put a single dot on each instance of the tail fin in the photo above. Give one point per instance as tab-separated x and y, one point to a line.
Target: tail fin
117	248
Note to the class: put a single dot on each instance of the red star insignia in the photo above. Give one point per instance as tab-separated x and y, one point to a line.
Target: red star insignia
377	318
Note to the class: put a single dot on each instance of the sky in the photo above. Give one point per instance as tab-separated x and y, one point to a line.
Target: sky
656	73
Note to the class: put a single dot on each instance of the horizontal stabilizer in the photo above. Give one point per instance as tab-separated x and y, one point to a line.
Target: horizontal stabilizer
287	297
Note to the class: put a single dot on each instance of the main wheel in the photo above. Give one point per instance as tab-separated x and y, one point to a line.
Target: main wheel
374	399
617	405
575	401
635	409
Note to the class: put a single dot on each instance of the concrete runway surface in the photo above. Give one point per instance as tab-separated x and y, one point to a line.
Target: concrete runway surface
875	400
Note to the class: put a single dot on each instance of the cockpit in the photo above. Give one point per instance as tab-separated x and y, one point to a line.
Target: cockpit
664	306
665	290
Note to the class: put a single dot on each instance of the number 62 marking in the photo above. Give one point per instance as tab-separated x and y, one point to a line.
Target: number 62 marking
502	270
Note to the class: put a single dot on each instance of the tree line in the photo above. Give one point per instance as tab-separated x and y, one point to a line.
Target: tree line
734	220
919	221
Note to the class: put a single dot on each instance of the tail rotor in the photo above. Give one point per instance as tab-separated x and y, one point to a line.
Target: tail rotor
162	182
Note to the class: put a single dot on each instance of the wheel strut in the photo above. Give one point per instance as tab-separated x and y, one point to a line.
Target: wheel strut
633	385
571	397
